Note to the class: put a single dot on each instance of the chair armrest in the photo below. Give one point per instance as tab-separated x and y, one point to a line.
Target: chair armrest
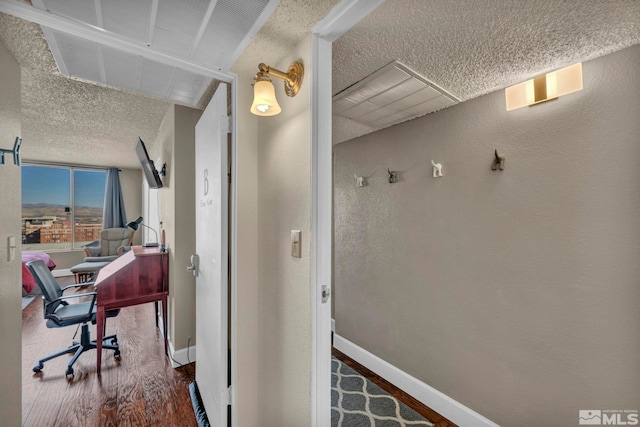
106	258
78	285
123	249
62	299
92	249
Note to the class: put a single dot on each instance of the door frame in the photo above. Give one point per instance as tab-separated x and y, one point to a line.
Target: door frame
339	20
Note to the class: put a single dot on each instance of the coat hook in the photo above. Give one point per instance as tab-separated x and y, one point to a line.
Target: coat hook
360	180
498	162
393	176
437	169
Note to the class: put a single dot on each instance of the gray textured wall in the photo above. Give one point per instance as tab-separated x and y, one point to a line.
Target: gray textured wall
10	273
514	292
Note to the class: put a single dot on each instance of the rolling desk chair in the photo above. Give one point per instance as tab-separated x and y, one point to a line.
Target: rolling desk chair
59	313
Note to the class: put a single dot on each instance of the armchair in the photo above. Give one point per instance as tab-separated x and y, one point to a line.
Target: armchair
59	313
113	242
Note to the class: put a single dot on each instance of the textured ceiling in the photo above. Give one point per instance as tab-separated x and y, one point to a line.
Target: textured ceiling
72	121
467	47
473	47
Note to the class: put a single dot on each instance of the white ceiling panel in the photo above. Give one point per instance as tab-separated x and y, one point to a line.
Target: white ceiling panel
391	95
178	23
157	77
227	29
118	67
207	35
77	57
131	19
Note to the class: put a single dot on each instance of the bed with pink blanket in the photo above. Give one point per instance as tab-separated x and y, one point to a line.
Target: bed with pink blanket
28	282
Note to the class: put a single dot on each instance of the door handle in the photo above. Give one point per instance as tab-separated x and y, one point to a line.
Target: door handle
325	292
193	266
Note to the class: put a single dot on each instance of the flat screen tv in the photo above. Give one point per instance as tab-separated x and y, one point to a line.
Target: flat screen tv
148	168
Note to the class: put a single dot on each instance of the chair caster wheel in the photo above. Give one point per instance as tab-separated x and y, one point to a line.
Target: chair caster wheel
69	372
37	368
116	355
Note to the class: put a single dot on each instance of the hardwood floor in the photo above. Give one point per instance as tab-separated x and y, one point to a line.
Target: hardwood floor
431	415
140	390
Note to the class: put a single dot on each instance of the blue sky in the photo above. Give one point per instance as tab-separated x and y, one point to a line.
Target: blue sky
51	185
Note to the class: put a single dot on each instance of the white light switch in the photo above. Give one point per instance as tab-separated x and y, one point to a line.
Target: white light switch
295	244
11	243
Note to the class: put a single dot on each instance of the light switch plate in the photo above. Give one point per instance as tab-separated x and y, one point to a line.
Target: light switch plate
11	246
296	250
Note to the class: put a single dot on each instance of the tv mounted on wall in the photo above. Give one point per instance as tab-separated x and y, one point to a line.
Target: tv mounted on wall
149	169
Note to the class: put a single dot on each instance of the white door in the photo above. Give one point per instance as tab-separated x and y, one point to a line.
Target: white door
212	257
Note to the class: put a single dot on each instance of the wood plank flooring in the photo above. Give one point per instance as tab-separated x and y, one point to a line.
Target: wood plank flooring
140	390
431	415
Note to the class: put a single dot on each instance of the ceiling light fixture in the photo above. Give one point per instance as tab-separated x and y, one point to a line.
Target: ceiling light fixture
264	94
545	88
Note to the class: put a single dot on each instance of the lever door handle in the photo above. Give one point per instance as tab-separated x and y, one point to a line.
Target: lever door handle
193	265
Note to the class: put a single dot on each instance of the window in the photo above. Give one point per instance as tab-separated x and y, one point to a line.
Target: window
61	206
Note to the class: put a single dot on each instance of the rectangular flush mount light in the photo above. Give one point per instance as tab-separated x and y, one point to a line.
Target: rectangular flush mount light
545	88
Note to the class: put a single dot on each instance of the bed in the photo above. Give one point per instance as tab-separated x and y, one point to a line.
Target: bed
28	282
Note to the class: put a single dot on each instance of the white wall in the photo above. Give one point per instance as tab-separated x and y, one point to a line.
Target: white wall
514	292
10	270
284	283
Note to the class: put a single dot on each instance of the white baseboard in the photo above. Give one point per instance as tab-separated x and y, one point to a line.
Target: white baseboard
61	272
183	356
439	402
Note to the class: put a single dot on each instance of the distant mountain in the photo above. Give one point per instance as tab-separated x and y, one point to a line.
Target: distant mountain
34	210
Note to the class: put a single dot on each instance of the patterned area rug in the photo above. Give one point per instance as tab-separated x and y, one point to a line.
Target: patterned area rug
357	402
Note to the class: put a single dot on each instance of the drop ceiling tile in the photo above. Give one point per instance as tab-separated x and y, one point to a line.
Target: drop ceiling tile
390	95
128	18
400	91
205	33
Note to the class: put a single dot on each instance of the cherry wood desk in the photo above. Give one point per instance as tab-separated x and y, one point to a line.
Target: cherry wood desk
137	277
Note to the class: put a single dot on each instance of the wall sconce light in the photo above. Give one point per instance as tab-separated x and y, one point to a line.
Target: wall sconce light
264	95
545	88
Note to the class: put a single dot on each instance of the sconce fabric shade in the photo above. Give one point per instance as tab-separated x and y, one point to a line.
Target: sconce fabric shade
264	99
545	88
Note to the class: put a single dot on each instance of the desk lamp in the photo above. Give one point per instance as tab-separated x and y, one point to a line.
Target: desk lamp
136	223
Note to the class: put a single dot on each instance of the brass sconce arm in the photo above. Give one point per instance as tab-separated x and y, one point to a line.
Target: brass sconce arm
292	78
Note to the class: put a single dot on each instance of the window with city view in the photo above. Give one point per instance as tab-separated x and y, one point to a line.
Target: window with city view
61	206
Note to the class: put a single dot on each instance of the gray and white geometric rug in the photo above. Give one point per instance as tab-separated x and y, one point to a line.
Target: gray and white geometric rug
357	402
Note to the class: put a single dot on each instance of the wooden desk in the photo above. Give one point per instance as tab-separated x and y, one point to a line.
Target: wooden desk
137	277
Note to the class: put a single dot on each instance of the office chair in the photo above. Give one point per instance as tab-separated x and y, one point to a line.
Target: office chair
15	152
59	313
